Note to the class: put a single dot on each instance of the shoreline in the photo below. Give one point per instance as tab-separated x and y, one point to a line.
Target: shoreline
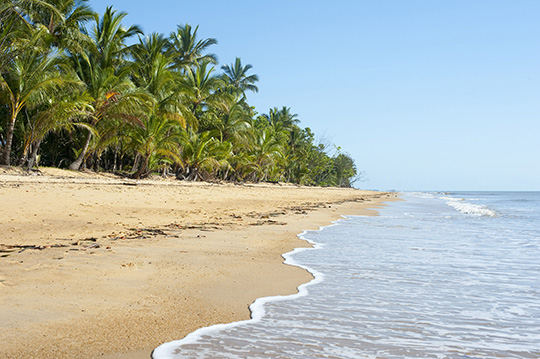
113	270
256	308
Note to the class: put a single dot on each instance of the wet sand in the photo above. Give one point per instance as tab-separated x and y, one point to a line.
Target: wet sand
102	267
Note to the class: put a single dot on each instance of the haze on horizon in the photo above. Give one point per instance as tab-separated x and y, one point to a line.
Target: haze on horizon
423	95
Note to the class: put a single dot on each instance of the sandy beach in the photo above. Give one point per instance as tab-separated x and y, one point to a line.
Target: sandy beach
102	267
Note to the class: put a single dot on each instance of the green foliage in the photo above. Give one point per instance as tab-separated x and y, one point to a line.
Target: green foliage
73	92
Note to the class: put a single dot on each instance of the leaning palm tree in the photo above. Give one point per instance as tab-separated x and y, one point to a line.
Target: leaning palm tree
187	50
238	80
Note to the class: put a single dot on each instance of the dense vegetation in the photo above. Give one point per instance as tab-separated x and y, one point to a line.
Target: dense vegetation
78	90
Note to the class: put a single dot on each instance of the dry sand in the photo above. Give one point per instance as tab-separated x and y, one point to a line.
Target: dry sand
100	267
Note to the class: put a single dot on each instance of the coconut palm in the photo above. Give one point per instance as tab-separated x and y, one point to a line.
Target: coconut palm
41	27
200	87
267	152
152	70
229	118
110	38
31	77
297	152
105	72
198	155
17	22
282	118
238	80
60	114
63	20
14	30
156	141
187	50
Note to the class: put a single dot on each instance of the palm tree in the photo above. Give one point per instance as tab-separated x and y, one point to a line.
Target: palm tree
59	115
199	155
228	116
157	141
154	73
31	77
110	38
63	22
236	77
187	50
105	72
282	118
12	30
200	87
152	70
266	152
17	26
38	27
297	152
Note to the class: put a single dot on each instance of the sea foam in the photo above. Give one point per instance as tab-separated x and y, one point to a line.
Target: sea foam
463	206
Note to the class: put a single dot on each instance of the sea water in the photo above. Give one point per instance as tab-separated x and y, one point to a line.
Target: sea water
439	275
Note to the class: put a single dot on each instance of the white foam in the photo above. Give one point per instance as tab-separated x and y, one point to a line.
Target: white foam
172	350
422	194
461	205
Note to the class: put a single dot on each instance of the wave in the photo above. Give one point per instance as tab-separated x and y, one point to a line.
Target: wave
461	205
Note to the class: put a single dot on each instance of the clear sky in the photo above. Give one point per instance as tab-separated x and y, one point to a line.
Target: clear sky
423	94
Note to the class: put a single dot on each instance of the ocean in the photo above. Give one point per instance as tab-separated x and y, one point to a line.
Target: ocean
438	275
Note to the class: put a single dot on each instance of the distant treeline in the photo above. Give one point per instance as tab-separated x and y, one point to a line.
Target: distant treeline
74	94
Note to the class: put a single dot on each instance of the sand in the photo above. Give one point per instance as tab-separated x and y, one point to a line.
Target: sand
96	266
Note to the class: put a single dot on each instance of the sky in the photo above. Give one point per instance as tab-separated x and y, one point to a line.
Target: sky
424	95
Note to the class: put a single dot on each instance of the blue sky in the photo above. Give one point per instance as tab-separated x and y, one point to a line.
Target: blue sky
423	94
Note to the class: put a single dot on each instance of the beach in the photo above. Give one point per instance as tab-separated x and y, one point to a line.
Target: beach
100	266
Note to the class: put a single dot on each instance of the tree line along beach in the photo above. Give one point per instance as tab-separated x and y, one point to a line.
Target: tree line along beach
81	90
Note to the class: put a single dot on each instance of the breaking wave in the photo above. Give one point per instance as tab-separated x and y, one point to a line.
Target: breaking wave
465	207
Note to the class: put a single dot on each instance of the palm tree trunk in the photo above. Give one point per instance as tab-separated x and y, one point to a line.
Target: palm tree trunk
115	160
27	142
76	165
136	161
24	157
33	156
142	168
97	158
9	141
